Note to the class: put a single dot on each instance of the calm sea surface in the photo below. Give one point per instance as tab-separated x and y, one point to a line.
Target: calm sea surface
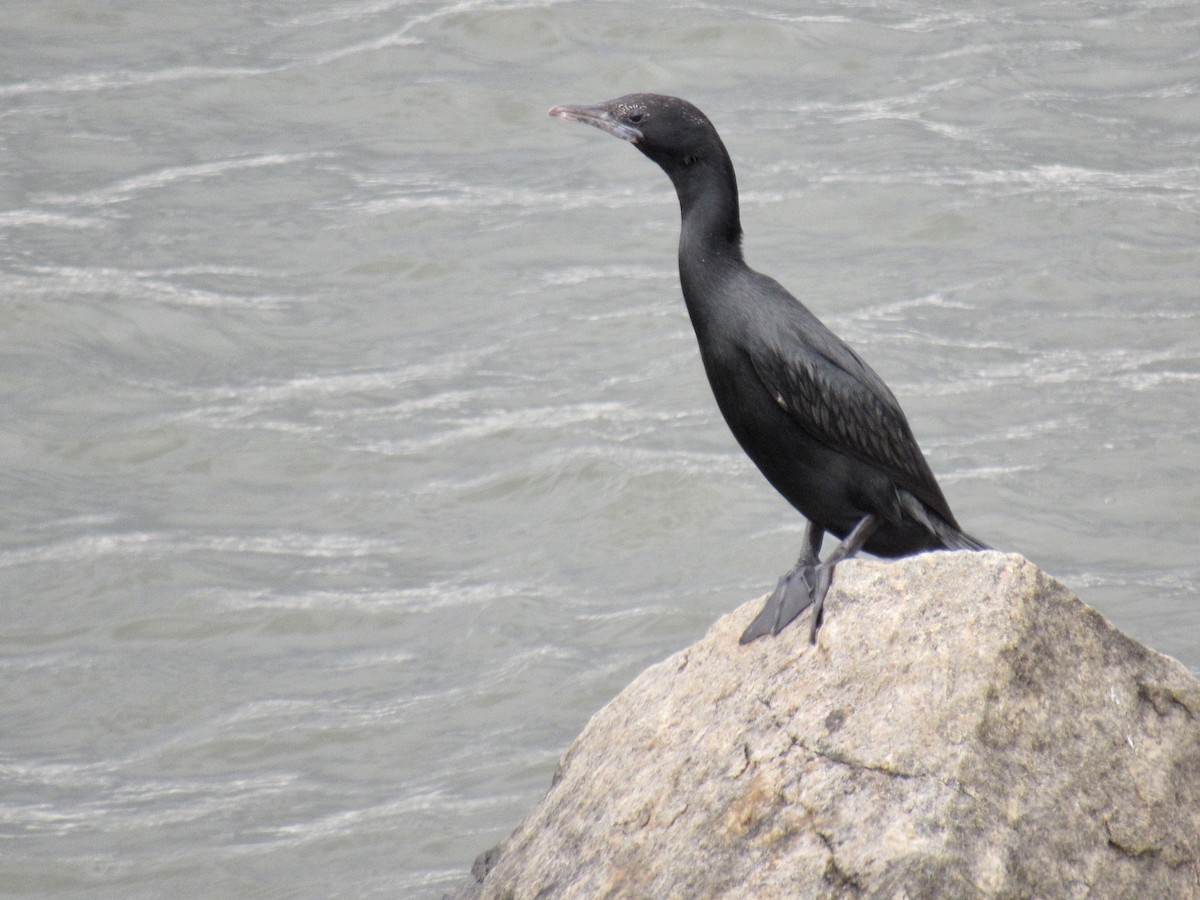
355	444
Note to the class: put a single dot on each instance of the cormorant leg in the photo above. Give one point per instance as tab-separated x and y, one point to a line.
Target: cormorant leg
824	572
793	593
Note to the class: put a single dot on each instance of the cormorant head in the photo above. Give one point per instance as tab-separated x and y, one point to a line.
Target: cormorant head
670	131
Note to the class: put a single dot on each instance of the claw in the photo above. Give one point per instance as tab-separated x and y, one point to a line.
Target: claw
824	576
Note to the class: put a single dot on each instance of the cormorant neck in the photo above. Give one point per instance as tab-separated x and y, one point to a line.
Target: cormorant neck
710	239
708	205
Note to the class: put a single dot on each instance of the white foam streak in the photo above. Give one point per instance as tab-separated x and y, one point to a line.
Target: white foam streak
22	218
990	474
93	547
437	595
1178	185
148	285
126	78
134	807
485	424
122	78
128	187
429	194
234	403
573	275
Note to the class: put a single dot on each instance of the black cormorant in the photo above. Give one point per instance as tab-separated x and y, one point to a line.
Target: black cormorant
817	421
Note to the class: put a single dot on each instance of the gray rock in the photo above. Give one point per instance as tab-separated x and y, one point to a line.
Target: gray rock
965	727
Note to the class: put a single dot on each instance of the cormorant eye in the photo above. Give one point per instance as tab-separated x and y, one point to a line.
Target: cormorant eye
636	117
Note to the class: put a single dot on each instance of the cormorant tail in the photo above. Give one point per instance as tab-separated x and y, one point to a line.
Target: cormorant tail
951	536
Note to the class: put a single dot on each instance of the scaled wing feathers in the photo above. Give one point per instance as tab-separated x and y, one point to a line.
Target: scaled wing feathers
841	402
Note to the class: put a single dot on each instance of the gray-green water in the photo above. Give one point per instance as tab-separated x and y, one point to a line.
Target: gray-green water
356	448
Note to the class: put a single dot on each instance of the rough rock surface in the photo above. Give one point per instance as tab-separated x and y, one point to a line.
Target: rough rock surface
965	727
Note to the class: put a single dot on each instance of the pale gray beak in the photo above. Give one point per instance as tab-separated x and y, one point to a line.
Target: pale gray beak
600	117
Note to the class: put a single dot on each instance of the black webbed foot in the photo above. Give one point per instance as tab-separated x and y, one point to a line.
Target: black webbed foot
792	595
807	582
794	592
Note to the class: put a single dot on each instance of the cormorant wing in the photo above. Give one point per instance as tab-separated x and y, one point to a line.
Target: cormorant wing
838	399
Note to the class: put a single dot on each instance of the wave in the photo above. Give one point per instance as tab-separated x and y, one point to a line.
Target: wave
170	175
159	544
